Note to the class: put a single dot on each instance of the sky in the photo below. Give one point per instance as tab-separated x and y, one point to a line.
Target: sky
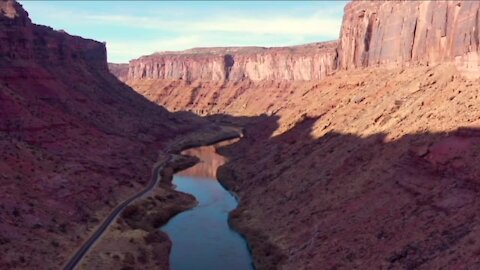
135	28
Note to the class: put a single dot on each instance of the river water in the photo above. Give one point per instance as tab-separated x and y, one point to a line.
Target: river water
201	237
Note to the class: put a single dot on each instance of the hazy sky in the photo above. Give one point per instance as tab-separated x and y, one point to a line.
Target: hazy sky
132	28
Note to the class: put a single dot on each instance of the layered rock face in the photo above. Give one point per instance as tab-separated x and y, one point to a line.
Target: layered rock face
196	79
399	33
23	41
389	34
309	62
74	140
374	34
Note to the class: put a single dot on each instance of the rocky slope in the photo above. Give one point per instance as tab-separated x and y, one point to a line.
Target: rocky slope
373	166
74	140
373	169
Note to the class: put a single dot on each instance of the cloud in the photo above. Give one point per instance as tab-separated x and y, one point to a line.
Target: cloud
318	24
125	50
120	50
220	31
315	25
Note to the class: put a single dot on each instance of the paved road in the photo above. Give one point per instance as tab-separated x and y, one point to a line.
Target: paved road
78	256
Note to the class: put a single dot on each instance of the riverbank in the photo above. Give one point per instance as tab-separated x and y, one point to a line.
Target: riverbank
133	240
265	254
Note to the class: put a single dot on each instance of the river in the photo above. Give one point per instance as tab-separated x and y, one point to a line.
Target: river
201	237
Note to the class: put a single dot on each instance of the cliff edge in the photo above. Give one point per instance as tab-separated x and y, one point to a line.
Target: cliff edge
378	33
308	62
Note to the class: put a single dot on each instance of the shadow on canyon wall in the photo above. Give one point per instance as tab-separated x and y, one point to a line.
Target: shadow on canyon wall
348	200
344	200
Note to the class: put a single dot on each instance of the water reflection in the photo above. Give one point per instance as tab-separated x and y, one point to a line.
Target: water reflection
201	237
208	165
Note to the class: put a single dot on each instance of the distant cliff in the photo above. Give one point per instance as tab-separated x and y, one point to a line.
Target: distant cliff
309	62
119	70
380	33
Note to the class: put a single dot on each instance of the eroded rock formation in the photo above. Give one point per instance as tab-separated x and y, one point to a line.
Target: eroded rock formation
388	34
308	62
400	33
362	169
23	41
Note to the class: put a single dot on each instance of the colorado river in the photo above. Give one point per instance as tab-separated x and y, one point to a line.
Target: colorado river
201	237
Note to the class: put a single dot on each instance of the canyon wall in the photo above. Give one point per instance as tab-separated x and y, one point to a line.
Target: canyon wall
379	33
372	169
74	141
308	62
21	40
400	33
196	79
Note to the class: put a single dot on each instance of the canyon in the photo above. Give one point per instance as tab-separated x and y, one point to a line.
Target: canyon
75	141
357	153
361	152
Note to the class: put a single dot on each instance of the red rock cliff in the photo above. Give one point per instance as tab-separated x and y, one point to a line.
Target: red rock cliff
399	33
380	33
298	63
22	40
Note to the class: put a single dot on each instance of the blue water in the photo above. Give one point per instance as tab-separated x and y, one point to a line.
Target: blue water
201	237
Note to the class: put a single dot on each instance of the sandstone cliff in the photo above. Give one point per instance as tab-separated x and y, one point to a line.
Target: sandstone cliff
400	33
389	34
23	41
308	62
